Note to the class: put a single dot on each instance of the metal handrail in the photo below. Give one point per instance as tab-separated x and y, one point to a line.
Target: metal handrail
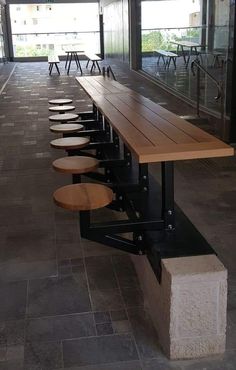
220	91
174	28
53	33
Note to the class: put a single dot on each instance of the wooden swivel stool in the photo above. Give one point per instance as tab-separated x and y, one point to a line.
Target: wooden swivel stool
60	101
66	128
61	109
63	118
75	165
70	144
83	197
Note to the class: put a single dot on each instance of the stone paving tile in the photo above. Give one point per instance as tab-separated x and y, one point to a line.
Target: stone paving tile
58	296
102	317
10	271
104	329
13	302
58	328
100	273
104	349
161	363
130	365
144	333
125	271
226	361
12	332
12	357
133	297
109	299
43	356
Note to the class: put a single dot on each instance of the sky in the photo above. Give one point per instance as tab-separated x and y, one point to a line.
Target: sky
170	13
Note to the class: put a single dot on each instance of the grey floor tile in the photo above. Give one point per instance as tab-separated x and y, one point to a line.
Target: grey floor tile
58	296
125	271
13	303
104	329
144	333
12	271
12	332
106	349
60	327
102	317
161	364
226	361
43	356
121	326
106	299
133	297
91	249
100	273
69	250
130	365
12	365
231	331
118	315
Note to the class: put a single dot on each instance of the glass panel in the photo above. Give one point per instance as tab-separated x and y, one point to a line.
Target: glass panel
40	29
190	29
43	44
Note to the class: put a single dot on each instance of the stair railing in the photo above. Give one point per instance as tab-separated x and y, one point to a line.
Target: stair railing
220	92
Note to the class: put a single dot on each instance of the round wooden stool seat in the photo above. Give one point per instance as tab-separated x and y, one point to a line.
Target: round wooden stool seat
63	117
83	197
60	101
62	108
70	142
66	128
75	164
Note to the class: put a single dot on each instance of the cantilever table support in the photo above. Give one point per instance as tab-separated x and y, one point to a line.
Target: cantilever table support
150	134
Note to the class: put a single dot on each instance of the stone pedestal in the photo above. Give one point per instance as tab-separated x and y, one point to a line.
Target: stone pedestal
188	307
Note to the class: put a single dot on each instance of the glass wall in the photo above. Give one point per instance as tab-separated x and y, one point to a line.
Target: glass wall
174	33
2	55
43	29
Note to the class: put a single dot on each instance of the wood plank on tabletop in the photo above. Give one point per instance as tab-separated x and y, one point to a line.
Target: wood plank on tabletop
155	136
184	151
129	134
161	126
187	127
87	87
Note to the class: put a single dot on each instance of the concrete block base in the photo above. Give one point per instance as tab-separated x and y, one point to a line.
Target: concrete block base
188	307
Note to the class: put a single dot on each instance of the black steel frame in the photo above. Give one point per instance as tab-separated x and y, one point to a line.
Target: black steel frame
149	207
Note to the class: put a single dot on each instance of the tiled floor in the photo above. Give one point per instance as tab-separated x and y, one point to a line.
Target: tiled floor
72	304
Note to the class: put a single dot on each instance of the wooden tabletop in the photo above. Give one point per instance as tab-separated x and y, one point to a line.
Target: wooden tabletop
186	43
100	85
152	133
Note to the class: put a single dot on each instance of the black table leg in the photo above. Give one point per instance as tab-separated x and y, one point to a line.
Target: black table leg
67	58
168	194
68	70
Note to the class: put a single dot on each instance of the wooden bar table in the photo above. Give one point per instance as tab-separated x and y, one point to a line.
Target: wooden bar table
152	133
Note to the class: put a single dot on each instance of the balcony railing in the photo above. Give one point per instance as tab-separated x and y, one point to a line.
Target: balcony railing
44	44
160	38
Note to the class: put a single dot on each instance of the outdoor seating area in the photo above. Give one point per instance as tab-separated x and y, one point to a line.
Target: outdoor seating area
117	186
40	252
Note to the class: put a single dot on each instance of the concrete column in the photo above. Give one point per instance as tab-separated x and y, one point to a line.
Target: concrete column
188	307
